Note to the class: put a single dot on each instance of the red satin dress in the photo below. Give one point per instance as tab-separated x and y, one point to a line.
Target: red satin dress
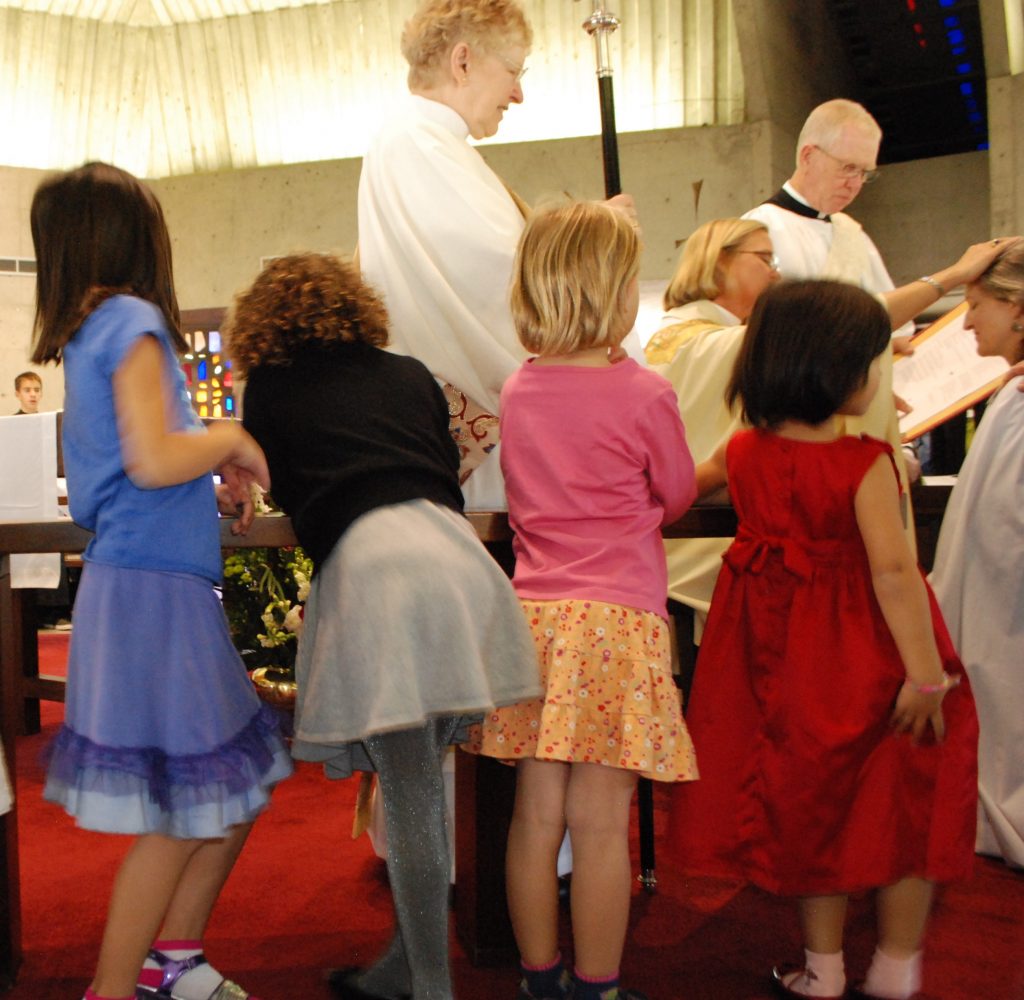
804	788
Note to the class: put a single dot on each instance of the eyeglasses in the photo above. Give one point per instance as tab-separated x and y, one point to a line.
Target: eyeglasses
518	72
850	171
769	258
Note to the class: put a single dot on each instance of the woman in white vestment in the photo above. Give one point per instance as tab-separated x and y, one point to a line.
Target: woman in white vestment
438	229
723	268
979	565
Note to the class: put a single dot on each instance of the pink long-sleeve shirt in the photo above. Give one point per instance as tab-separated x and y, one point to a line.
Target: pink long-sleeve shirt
595	462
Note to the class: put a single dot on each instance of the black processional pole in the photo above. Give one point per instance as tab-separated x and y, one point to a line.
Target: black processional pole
600	26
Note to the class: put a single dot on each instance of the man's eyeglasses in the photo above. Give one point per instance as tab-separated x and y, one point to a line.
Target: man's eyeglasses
850	170
766	255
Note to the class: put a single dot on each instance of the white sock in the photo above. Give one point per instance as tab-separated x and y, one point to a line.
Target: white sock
893	978
196	984
823	975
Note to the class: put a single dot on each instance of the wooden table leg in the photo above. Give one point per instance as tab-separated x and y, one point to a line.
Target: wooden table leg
10	726
484	792
23	603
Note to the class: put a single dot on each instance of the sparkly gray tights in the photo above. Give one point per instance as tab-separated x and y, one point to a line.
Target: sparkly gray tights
408	765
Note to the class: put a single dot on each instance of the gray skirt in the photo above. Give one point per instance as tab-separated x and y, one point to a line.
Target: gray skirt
408	618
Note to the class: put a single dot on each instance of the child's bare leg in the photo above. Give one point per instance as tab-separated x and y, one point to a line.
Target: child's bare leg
181	937
822	919
597	813
200	885
143	889
531	878
902	917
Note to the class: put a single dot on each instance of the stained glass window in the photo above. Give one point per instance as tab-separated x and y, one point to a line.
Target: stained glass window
208	375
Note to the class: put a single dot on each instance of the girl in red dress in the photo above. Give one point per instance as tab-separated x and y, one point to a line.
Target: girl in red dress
837	734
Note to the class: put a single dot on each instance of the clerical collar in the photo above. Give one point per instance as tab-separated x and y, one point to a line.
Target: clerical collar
787	198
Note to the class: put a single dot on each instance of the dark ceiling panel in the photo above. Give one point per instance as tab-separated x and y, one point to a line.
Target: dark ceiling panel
920	70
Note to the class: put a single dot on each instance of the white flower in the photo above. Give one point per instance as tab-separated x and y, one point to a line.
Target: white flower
293	620
303	585
256	493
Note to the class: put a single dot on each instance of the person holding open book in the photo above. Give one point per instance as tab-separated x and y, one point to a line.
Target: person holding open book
979	565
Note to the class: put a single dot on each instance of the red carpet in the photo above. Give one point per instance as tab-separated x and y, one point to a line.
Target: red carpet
305	897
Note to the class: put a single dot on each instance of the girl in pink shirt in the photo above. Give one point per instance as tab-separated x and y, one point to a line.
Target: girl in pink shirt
595	462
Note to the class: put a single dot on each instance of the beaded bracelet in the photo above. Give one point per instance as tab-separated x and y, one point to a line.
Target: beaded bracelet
948	681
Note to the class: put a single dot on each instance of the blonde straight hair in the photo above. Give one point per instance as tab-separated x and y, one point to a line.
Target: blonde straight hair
698	275
570	276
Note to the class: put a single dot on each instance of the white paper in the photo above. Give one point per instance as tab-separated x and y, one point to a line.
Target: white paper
28	489
944	370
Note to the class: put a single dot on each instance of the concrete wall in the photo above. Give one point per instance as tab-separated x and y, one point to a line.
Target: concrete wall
923	214
920	214
222	224
792	61
17	292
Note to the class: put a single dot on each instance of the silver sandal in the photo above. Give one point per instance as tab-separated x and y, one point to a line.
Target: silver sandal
173	969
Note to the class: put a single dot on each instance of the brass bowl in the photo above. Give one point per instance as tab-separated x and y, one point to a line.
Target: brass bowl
275	687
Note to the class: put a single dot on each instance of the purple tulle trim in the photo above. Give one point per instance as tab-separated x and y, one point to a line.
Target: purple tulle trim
172	782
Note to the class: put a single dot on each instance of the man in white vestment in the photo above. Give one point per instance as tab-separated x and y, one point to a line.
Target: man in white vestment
813	237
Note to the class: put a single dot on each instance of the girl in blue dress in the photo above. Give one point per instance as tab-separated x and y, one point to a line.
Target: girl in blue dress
163	736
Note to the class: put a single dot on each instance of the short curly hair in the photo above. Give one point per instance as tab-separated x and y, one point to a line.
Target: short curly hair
301	301
437	26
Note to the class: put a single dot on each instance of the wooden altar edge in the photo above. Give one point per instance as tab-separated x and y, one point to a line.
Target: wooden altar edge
63	535
709	520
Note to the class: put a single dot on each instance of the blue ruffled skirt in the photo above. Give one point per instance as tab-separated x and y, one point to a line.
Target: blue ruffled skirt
163	732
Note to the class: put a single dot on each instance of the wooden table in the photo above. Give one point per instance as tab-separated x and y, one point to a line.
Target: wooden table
483	787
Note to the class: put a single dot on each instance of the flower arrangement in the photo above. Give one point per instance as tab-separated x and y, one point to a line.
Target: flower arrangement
264	592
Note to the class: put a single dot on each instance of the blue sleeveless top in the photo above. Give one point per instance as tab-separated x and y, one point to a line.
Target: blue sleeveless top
173	528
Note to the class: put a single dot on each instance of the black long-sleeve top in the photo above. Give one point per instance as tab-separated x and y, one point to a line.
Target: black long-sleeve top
347	429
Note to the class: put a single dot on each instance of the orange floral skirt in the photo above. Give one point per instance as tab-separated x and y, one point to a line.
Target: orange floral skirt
610	697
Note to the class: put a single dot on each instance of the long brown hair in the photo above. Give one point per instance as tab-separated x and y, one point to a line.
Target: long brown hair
98	231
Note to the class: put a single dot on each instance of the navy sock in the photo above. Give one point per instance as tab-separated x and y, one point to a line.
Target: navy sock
595	989
549	982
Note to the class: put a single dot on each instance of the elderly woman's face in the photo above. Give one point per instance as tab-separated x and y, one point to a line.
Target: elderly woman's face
747	271
491	85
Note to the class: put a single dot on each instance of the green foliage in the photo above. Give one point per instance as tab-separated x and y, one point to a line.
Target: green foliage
264	594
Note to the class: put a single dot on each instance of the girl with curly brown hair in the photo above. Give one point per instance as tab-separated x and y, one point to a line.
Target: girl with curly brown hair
410	628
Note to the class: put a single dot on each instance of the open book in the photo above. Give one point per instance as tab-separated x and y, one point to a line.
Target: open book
944	376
